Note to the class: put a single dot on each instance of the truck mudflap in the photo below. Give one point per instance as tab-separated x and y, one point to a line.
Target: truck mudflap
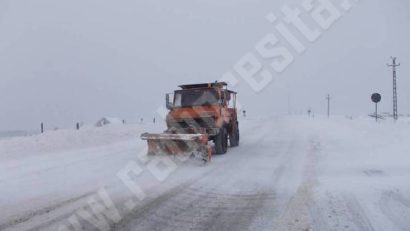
195	145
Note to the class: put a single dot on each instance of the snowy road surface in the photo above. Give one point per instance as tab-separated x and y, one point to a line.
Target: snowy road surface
289	173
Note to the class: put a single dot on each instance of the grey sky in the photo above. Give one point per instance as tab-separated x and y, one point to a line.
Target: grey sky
63	61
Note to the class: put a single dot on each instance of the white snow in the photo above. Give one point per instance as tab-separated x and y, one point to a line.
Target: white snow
312	173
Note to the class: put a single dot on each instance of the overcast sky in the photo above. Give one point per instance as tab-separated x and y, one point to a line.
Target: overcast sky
63	61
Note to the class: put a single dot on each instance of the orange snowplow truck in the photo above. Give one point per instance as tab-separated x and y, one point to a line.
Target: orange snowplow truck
198	113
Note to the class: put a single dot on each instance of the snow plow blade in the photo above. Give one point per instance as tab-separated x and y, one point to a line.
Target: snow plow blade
196	145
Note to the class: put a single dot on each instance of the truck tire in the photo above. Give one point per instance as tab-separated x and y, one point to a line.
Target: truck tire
234	137
221	141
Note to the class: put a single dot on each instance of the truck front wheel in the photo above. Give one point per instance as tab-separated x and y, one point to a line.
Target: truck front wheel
234	137
221	141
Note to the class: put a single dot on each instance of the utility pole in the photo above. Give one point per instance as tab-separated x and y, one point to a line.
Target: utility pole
328	105
394	66
377	116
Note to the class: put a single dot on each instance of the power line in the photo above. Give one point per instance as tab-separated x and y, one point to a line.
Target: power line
395	107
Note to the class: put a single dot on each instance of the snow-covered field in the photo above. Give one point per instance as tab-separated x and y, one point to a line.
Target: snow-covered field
289	173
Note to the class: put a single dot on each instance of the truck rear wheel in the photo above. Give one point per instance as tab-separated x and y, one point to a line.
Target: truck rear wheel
221	141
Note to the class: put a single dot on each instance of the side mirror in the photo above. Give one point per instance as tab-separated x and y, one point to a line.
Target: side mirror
169	104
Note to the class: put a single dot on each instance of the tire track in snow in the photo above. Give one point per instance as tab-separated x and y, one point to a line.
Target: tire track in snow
396	208
297	213
341	212
208	203
47	210
193	209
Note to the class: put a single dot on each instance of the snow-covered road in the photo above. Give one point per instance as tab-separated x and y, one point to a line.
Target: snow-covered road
289	173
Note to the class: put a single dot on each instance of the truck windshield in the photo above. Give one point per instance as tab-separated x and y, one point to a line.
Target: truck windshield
189	98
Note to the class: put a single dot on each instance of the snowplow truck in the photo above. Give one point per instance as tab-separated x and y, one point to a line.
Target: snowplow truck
198	114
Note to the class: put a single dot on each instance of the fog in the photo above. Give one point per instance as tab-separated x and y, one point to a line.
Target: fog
63	62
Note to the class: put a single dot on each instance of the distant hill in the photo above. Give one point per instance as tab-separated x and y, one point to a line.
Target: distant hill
9	134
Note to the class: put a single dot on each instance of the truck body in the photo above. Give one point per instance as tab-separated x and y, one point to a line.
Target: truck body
198	114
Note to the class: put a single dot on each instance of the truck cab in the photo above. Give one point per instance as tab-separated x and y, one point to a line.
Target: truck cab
205	108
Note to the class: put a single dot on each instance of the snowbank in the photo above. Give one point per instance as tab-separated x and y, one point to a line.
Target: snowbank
70	139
